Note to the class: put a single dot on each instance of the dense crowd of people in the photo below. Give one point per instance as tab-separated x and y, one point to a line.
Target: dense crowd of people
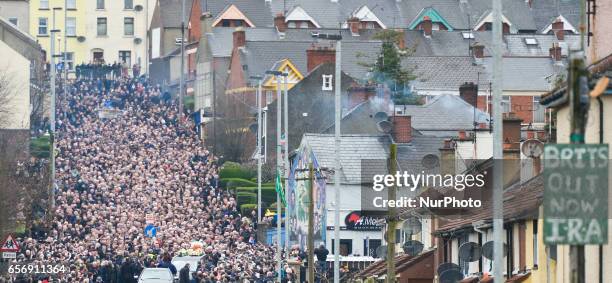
101	70
144	165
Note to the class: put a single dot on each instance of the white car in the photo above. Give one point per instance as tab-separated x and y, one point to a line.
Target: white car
156	275
180	261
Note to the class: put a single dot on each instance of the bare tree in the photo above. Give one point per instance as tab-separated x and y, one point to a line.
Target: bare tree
232	137
8	93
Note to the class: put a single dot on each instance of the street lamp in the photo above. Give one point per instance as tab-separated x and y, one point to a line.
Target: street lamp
338	109
52	114
258	151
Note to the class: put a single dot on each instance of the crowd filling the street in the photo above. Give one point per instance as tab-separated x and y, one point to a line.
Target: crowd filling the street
112	173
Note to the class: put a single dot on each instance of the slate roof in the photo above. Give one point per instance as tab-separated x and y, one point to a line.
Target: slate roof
527	74
258	11
545	11
443	113
170	12
444	73
521	201
516	11
515	44
353	149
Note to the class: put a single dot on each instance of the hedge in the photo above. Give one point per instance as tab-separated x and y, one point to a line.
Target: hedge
246	208
236	182
246	198
233	172
268	194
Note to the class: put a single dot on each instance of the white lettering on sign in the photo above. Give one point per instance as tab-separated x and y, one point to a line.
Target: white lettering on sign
574	230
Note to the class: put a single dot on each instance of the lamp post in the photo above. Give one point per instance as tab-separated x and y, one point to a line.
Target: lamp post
286	161
258	151
52	109
338	114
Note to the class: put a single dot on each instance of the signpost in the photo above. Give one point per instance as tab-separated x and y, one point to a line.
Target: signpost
150	231
576	194
9	244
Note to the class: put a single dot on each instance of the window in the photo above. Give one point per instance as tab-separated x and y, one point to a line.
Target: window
327	82
128	26
128	4
346	247
225	23
44	4
269	97
14	21
125	57
531	41
467	35
69	59
539	112
535	243
100	4
238	23
291	24
370	246
506	103
101	26
71	4
71	26
42	26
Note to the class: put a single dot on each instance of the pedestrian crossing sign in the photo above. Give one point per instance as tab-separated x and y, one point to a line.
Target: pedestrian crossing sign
9	245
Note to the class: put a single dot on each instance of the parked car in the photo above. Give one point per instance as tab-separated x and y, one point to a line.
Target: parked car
156	275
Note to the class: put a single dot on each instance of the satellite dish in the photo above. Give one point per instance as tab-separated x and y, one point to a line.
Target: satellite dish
447	266
412	248
411	226
470	252
137	40
487	250
430	161
253	128
451	276
381	116
384	126
81	38
138	8
532	148
381	252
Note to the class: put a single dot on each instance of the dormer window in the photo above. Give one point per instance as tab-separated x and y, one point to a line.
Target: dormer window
327	82
299	18
232	17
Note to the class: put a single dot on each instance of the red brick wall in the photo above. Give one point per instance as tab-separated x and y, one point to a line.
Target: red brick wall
195	29
319	55
523	107
402	129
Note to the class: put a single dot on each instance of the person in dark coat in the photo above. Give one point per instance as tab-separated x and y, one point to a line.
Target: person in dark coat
166	263
184	274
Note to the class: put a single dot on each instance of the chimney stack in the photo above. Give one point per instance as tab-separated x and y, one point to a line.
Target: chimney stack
478	50
558	29
239	37
279	22
317	55
469	93
512	131
402	129
555	52
353	24
358	94
426	24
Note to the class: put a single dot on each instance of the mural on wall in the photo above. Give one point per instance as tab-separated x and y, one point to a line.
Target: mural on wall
298	199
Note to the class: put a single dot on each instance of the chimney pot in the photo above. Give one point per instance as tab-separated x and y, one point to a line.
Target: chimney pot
239	37
426	24
402	129
478	50
555	52
279	22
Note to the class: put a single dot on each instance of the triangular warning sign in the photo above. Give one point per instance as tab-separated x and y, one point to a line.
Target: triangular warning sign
9	245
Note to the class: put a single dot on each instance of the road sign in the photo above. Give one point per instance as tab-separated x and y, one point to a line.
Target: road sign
9	255
150	231
9	244
576	194
60	66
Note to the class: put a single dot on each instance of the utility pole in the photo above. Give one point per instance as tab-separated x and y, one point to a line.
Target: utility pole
65	64
311	223
338	115
286	161
52	110
279	104
578	87
182	79
498	154
258	151
392	221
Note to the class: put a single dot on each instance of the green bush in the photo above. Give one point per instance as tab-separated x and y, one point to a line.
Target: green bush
232	172
246	198
268	194
246	208
39	147
235	182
